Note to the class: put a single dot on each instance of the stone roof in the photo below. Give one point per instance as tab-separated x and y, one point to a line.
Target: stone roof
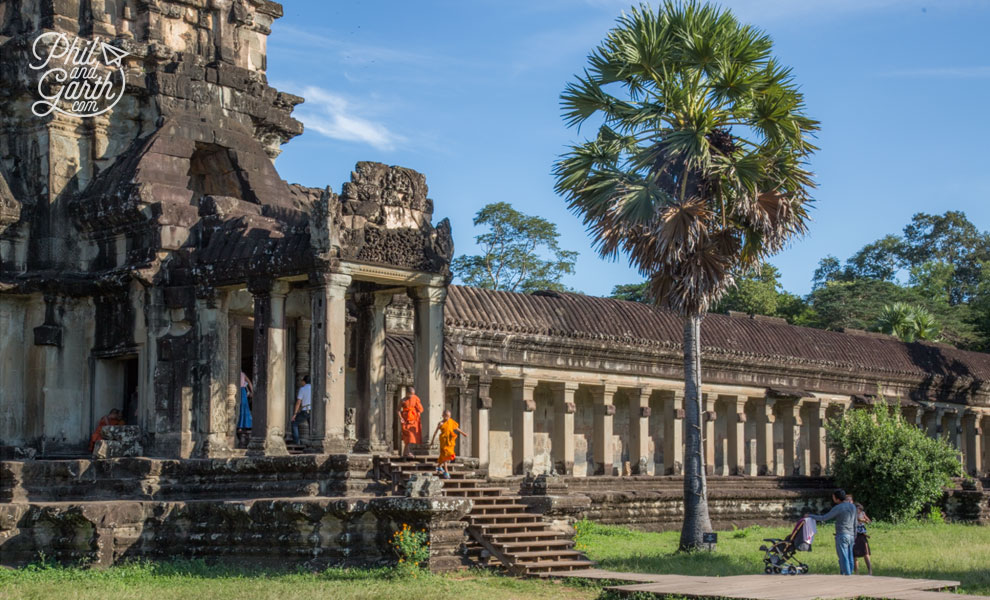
569	315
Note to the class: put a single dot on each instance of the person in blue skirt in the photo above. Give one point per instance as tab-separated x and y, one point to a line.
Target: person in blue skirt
244	413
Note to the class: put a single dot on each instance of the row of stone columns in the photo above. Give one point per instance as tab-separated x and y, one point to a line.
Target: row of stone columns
785	452
964	428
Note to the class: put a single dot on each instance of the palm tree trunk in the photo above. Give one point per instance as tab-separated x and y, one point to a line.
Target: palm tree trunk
696	521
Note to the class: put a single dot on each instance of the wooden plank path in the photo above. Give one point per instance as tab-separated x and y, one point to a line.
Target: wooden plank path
778	587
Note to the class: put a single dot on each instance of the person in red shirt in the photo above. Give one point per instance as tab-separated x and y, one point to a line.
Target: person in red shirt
111	418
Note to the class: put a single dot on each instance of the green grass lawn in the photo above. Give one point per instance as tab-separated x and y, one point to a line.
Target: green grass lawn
920	550
958	552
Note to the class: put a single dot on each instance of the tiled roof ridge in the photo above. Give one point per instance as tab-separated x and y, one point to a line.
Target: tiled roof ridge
582	317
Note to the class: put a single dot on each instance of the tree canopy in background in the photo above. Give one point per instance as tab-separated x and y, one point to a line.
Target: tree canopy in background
520	253
937	274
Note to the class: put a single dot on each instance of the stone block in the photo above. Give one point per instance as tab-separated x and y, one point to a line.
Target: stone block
423	486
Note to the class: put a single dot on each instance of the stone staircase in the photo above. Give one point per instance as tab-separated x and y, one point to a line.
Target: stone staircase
499	524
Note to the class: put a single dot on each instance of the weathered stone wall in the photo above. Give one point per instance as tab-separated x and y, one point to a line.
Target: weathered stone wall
299	531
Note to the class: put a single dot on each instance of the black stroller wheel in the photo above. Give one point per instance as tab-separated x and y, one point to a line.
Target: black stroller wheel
768	570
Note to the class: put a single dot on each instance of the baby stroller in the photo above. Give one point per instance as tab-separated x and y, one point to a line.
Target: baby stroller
779	553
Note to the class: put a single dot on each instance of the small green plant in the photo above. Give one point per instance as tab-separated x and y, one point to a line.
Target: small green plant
934	516
413	549
890	466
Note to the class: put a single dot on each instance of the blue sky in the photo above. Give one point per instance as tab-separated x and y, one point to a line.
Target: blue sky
467	93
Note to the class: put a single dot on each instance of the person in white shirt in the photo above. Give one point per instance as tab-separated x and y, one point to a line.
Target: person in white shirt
304	404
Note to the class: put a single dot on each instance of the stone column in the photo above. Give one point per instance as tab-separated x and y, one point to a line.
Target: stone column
523	405
303	342
817	439
791	417
972	459
562	444
985	443
708	431
327	361
479	439
933	422
735	431
428	330
370	350
233	376
764	436
268	415
639	434
212	336
673	432
953	427
602	397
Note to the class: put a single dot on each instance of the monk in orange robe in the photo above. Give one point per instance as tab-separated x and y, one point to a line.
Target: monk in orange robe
448	430
409	415
111	418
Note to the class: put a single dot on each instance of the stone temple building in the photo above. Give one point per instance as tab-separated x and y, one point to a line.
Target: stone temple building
151	253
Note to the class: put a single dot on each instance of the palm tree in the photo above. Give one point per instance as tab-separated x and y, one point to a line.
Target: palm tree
908	322
698	168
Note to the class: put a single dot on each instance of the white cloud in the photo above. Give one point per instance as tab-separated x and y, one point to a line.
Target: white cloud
333	116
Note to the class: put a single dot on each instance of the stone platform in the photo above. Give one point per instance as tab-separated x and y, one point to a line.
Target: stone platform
777	587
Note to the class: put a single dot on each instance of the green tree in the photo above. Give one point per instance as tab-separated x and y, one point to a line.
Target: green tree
892	467
753	293
855	304
952	239
697	170
520	253
878	260
632	292
829	269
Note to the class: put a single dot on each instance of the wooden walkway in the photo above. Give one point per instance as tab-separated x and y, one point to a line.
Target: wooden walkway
779	587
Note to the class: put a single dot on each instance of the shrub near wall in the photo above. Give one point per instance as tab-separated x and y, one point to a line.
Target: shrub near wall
893	468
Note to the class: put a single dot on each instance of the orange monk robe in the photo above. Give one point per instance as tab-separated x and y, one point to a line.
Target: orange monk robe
106	421
412	431
448	439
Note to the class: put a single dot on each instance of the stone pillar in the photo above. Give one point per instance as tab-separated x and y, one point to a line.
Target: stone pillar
212	336
817	439
303	343
673	432
708	431
639	434
972	459
933	422
764	436
736	435
953	428
479	439
985	443
562	444
602	397
268	415
790	412
233	376
370	350
428	329
523	405
327	361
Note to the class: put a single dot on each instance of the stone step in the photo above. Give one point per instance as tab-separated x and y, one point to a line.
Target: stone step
497	509
495	528
506	518
544	555
476	491
552	566
533	545
535	537
495	500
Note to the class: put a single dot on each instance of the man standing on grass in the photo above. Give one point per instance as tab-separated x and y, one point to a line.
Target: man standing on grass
844	514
